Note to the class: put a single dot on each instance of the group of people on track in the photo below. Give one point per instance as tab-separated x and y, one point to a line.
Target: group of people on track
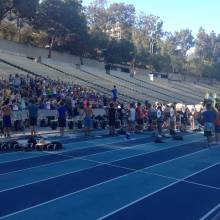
135	118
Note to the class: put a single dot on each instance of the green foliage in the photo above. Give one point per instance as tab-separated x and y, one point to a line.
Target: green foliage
23	8
66	25
119	52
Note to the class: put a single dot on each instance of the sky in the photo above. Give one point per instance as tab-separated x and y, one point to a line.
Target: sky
180	14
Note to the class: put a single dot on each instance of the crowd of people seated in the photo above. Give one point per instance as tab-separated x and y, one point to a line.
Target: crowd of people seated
24	92
20	89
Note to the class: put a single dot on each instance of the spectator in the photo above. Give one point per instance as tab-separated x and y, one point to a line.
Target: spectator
209	118
131	118
62	117
33	115
112	119
88	119
139	117
217	124
159	121
114	94
6	115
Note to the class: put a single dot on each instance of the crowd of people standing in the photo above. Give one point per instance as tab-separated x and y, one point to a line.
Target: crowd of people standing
35	93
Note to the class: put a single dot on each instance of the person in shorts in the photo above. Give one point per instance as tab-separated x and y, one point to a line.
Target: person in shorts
209	118
131	118
139	117
62	117
112	118
33	114
6	116
88	118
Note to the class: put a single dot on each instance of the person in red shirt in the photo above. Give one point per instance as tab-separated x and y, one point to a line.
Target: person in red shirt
139	117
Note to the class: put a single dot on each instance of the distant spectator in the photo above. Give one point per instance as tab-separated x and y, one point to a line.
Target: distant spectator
88	119
209	118
33	115
159	120
131	118
6	115
217	124
139	117
62	117
114	94
112	119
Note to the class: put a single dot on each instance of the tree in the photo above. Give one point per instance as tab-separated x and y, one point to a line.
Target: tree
203	45
62	20
148	33
119	52
25	9
123	14
183	41
96	15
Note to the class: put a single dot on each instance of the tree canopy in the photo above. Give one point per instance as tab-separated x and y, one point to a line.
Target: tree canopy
114	32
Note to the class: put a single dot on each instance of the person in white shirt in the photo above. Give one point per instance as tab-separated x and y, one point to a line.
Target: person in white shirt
159	121
132	118
172	120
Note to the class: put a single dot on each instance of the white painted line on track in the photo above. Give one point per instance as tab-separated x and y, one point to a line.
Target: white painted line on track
210	213
157	191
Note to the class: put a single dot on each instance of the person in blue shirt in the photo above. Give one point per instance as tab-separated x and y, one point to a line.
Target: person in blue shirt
62	117
209	118
114	94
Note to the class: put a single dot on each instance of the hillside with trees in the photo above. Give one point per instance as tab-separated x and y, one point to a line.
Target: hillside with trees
66	25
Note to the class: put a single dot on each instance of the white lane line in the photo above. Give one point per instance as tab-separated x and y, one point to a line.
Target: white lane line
185	181
147	152
78	148
208	214
146	196
109	164
99	163
53	177
99	184
64	196
26	158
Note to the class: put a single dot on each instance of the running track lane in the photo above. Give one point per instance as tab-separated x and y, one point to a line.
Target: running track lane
149	159
47	159
26	196
213	179
137	162
182	201
36	193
